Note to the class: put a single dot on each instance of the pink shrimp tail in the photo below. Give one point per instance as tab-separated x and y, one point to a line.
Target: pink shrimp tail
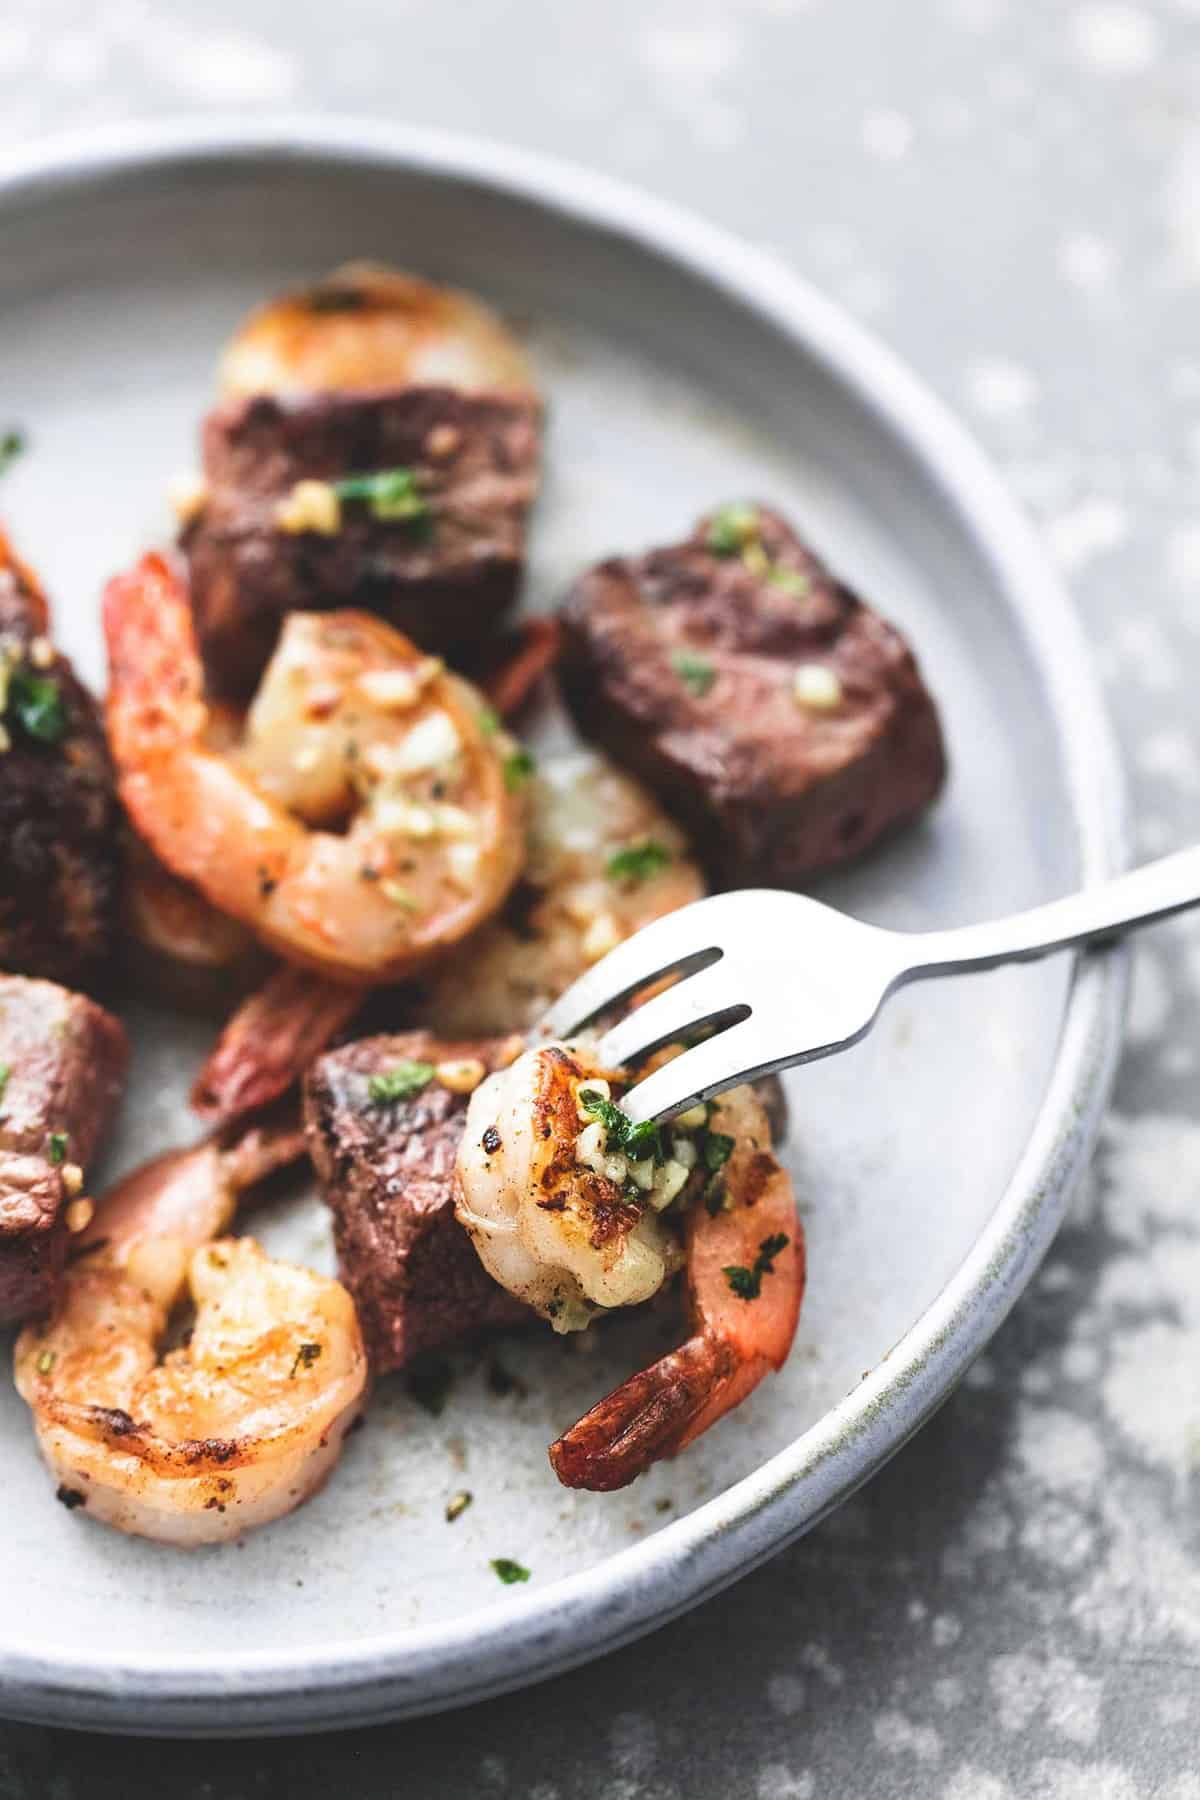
653	1414
270	1040
155	677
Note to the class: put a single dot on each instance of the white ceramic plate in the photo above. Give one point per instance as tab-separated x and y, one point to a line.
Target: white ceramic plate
933	1161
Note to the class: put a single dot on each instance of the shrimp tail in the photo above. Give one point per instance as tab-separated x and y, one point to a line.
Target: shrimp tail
270	1040
525	657
652	1414
155	675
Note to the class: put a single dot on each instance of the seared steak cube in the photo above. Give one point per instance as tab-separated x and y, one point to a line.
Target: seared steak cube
62	1068
432	535
784	723
58	808
386	1166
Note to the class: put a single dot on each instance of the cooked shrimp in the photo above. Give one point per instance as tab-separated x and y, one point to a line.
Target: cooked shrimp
364	822
176	942
745	1274
568	1225
270	1040
236	1427
603	862
368	326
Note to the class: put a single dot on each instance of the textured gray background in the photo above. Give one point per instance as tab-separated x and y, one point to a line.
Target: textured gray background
1008	190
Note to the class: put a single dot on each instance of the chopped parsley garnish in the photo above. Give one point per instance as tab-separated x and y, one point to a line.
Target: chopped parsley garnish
12	443
731	528
714	1196
5	1072
747	1283
638	862
718	1148
519	765
489	721
457	1505
37	705
429	1381
791	581
400	1083
696	674
389	494
508	1570
305	1357
57	1146
637	1141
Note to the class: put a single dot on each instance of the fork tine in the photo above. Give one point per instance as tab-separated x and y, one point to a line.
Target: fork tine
697	999
721	1062
679	939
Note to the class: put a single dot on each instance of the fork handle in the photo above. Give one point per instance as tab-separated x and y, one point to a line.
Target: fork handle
1154	891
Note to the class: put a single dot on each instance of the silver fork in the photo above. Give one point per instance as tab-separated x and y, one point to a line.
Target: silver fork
781	979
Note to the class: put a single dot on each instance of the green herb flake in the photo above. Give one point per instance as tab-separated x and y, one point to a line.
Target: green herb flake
305	1357
399	1083
639	862
389	494
429	1382
12	445
57	1146
637	1141
714	1197
731	528
718	1148
747	1283
508	1570
457	1505
5	1072
37	705
489	721
789	581
696	674
519	765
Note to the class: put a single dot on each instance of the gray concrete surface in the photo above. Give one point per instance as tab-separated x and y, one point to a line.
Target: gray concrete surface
1009	191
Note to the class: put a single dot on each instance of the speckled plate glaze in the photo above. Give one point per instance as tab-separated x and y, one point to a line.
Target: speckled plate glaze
933	1162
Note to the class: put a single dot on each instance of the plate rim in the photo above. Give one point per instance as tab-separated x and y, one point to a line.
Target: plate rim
544	1632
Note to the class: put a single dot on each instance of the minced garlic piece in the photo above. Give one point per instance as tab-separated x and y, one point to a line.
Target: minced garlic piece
396	690
431	744
692	1119
311	506
669	1181
461	1077
596	1088
187	495
601	936
79	1216
41	653
816	687
71	1176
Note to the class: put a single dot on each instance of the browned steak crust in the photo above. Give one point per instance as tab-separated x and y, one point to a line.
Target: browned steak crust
64	1060
59	841
682	664
386	1172
444	579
